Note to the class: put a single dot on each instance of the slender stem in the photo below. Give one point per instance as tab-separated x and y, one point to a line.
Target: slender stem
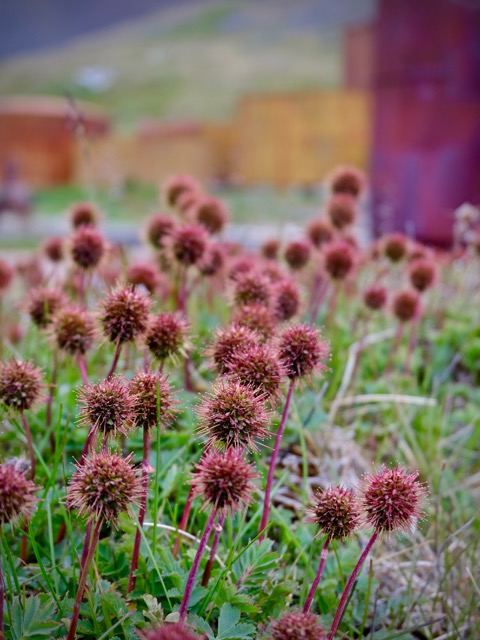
321	567
396	345
351	581
88	442
28	433
2	598
51	391
86	544
116	356
183	522
83	368
413	339
213	550
196	563
143	507
83	580
273	460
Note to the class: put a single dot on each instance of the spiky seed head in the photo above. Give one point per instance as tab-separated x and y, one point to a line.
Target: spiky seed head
54	249
107	407
159	227
87	247
144	274
296	626
395	246
347	180
256	317
84	214
186	203
175	186
297	254
211	214
6	275
124	315
104	486
405	305
336	512
189	243
319	232
286	299
31	270
167	336
270	248
73	329
302	350
274	271
213	260
341	210
42	304
169	631
233	416
227	342
392	499
252	288
224	479
240	265
153	401
339	259
17	492
21	384
375	297
422	274
259	367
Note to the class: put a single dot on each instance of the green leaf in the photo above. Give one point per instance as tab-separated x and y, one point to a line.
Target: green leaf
228	627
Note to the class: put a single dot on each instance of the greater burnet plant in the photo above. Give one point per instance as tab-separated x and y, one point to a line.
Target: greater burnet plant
227	341
258	366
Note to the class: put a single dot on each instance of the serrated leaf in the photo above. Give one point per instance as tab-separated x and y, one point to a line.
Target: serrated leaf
228	627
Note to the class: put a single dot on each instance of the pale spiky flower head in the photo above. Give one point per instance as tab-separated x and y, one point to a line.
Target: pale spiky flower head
227	342
341	210
54	249
256	317
375	297
175	186
104	486
422	273
286	299
107	407
21	384
302	350
124	315
153	401
42	304
6	275
224	480
211	214
392	499
297	254
319	232
17	492
167	336
349	180
336	512
168	631
159	227
233	416
270	248
73	329
395	246
258	366
252	288
297	625
339	259
84	214
189	243
87	247
406	305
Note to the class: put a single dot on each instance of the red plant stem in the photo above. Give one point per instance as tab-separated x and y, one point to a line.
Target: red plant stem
2	596
86	544
196	563
183	521
321	567
88	442
348	587
83	579
213	550
318	304
116	356
273	459
28	433
82	367
143	507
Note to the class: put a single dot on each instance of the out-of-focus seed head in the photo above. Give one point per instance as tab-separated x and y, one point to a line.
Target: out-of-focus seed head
31	270
422	273
224	480
42	304
258	367
286	299
211	214
6	275
270	249
405	305
153	401
54	249
167	336
252	288
336	512
17	492
168	631
159	227
319	232
392	499
21	384
186	203
87	247
296	626
256	317
175	186
144	274
348	180
124	315
227	342
83	214
297	254
375	297
339	259
395	246
341	210
107	407
233	416
189	243
104	486
73	329
274	271
302	350
241	265
213	260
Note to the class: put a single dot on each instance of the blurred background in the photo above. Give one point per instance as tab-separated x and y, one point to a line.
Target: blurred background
258	99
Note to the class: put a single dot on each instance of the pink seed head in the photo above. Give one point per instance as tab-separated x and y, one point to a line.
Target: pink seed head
84	214
295	626
21	384
17	493
348	180
42	304
144	274
286	299
270	249
167	336
159	227
339	259
175	186
107	407
256	317
375	297
153	401
54	249
302	350
319	232
297	254
189	243
341	210
124	315
211	214
227	342
258	366
252	288
395	246
87	247
73	329
405	305
336	512
422	273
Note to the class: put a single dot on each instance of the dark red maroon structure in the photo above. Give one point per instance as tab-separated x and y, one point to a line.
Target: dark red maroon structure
426	146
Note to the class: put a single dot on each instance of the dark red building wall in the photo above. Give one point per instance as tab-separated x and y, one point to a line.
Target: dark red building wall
426	133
